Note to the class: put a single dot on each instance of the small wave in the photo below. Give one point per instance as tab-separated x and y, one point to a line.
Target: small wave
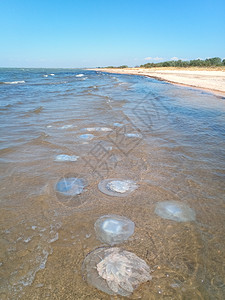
6	107
36	110
45	75
48	83
7	150
79	75
52	74
13	82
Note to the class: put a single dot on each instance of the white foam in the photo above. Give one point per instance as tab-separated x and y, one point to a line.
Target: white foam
45	75
79	75
54	238
52	74
28	239
14	82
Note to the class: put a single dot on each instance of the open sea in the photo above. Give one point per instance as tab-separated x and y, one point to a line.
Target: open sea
170	140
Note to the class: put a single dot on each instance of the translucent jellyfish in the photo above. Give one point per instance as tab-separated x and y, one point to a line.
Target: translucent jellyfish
70	186
118	124
67	126
113	229
87	136
116	187
175	210
133	135
115	271
98	129
64	157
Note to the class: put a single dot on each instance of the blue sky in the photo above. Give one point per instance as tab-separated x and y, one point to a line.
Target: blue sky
89	33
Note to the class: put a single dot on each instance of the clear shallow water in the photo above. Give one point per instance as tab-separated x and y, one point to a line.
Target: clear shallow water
175	152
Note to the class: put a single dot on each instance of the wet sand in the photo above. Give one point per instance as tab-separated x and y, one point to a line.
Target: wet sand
213	81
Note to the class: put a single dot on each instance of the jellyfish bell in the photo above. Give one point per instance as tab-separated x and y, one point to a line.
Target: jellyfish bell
175	210
117	187
69	188
118	124
115	271
103	129
113	229
87	136
65	157
133	135
111	226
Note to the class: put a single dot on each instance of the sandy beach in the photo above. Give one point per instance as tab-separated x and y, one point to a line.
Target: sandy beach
210	80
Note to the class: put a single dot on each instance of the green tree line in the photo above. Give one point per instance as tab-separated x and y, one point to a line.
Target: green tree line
209	62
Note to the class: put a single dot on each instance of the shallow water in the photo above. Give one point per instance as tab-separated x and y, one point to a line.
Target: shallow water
175	152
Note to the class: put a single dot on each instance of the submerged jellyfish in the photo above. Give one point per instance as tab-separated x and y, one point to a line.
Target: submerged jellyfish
87	136
67	126
70	186
175	210
115	271
118	124
64	157
113	229
133	135
98	129
115	187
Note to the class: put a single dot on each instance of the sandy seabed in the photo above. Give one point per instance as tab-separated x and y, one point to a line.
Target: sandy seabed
211	80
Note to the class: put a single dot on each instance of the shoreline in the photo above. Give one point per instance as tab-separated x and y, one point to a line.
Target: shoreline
208	80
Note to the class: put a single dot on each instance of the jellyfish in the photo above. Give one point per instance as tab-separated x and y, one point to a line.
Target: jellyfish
115	271
175	210
70	186
113	229
87	136
64	157
106	129
118	124
117	187
67	126
133	135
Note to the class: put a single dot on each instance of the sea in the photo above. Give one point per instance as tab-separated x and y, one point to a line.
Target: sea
168	139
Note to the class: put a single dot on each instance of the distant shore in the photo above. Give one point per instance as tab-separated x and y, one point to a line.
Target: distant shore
210	80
